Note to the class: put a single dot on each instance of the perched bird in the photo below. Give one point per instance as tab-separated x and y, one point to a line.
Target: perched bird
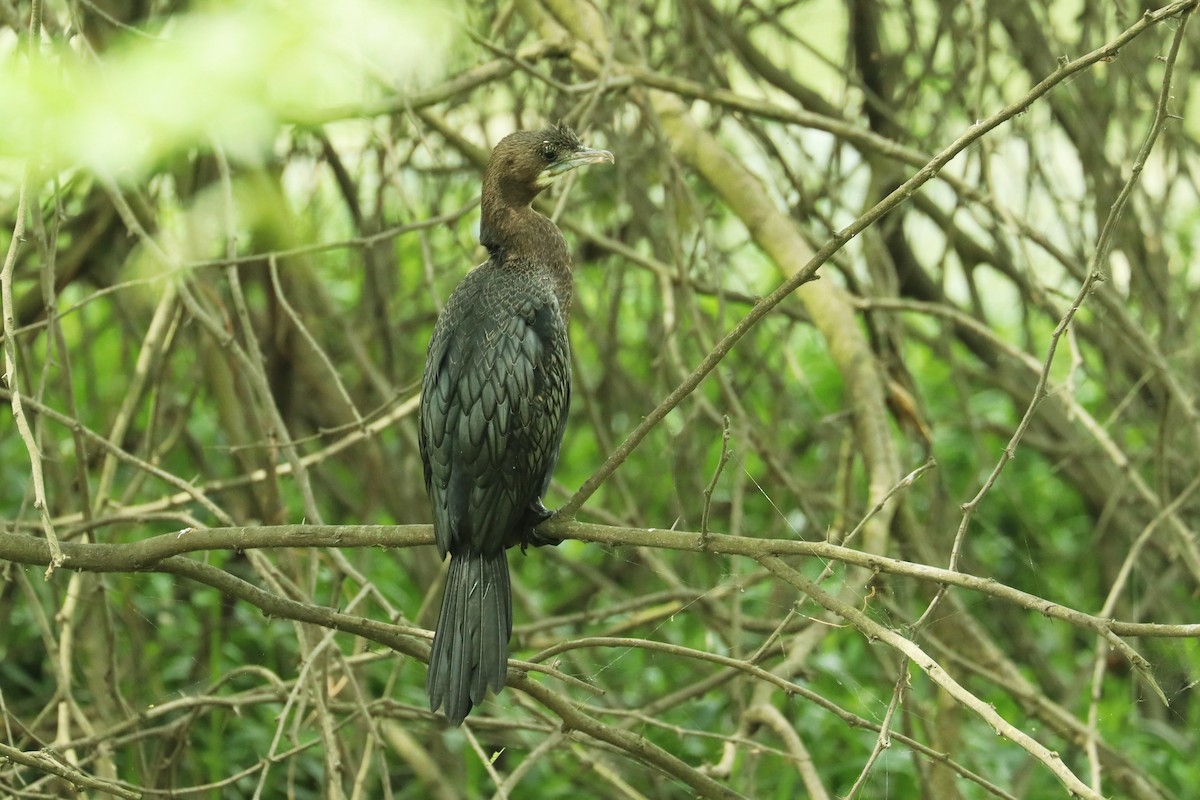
494	398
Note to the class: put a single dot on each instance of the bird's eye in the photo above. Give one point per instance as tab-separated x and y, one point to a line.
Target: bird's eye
548	151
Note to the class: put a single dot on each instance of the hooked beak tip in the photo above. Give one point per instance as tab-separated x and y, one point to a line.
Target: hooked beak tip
596	156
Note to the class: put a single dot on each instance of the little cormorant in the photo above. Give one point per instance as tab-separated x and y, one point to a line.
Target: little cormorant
494	398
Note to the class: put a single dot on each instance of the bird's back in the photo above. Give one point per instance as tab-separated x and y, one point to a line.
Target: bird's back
493	408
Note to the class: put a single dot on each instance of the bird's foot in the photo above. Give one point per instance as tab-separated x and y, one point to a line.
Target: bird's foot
536	515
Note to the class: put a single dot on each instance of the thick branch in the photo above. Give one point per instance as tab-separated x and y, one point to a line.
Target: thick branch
149	555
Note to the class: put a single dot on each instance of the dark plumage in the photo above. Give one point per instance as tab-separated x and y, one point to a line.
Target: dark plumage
494	400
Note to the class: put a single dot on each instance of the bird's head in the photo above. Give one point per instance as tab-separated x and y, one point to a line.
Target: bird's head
526	162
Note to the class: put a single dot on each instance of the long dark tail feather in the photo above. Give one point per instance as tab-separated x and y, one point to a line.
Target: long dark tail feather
470	647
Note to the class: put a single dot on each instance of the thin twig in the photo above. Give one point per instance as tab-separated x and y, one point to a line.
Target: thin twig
712	484
12	378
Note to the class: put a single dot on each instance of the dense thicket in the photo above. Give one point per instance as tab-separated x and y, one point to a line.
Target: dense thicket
894	306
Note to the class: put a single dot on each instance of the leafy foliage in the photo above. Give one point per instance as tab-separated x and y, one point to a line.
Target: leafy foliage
235	224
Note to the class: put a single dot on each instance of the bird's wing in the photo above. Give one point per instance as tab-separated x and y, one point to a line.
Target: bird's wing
437	421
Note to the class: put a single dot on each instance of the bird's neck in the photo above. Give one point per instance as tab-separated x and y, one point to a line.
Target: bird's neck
519	232
521	238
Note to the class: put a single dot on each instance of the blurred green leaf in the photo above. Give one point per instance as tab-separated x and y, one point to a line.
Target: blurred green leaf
228	74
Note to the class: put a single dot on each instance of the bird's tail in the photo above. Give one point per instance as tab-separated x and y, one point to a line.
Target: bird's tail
470	647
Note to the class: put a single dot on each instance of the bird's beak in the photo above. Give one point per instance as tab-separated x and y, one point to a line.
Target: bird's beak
584	155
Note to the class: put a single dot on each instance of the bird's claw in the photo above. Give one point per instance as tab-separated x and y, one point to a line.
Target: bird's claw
538	513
